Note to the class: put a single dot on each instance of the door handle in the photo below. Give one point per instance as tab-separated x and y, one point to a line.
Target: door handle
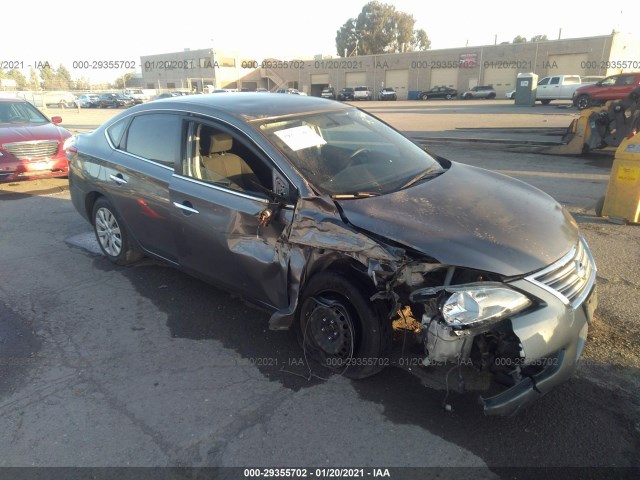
118	179
186	207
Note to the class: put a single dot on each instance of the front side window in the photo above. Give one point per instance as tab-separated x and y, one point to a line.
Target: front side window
156	137
348	151
226	159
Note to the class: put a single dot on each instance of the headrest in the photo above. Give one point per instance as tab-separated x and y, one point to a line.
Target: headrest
220	142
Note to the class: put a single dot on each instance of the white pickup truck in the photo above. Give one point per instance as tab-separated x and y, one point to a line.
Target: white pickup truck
558	87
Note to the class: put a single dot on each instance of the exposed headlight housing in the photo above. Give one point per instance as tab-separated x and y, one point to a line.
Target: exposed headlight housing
473	304
476	303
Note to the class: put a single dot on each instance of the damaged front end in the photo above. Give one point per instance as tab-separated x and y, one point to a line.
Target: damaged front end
526	332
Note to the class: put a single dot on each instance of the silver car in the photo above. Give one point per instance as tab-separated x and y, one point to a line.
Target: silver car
334	222
479	91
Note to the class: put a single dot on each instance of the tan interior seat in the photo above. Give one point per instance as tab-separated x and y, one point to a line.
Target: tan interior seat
223	167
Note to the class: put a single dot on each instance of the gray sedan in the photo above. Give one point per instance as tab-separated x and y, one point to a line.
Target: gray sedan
334	222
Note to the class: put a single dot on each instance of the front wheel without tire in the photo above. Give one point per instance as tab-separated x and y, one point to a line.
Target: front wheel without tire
340	328
112	235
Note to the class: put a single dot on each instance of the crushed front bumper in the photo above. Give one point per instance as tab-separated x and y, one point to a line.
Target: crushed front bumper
553	337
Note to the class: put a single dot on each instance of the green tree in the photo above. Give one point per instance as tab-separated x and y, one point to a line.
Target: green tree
380	28
420	41
63	77
539	38
48	76
20	79
119	83
520	39
347	38
34	83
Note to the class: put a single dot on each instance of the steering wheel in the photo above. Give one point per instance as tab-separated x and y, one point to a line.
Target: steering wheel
359	151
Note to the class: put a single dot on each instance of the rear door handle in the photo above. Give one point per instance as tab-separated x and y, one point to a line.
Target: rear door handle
118	179
185	206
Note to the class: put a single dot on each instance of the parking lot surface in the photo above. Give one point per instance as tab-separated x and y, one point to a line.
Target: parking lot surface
144	366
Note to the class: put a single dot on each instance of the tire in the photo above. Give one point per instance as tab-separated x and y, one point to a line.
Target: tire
468	96
62	104
448	96
491	96
583	101
545	102
424	96
112	235
340	328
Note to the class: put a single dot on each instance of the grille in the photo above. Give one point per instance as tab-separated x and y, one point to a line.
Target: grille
33	149
571	277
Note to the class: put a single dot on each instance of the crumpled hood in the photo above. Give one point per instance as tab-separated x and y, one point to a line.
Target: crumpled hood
473	218
26	132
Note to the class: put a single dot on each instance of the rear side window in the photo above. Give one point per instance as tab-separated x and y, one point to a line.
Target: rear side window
156	137
115	132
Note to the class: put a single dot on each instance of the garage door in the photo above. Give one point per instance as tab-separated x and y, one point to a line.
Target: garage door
502	79
399	81
320	79
356	79
567	64
444	77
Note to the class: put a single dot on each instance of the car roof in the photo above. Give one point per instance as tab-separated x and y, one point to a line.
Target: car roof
250	105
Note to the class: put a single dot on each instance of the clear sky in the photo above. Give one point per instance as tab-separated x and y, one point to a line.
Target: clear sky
64	31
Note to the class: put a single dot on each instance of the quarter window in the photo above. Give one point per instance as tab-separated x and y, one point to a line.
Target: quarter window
156	137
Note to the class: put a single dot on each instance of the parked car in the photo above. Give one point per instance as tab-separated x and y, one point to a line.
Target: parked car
333	221
138	95
114	100
439	92
292	91
557	87
362	93
387	93
31	145
328	92
346	94
262	90
61	99
90	100
614	87
479	91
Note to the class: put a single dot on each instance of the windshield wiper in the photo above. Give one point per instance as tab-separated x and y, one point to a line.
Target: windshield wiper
429	173
348	196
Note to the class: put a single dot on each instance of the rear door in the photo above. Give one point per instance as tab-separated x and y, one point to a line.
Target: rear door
217	218
147	148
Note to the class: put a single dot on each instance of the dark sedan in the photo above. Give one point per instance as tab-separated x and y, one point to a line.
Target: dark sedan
445	93
115	100
346	94
31	145
335	222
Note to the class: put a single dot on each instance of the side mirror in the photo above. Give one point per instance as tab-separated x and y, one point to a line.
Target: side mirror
56	120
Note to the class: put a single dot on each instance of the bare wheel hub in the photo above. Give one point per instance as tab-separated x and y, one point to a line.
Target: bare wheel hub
331	328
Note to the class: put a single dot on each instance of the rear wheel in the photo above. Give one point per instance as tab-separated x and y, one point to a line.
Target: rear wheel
583	101
112	236
424	96
448	96
545	102
491	96
340	328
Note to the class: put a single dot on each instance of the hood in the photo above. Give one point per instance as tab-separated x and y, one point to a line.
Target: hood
26	132
471	217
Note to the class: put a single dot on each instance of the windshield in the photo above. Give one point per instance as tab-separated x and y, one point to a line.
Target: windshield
349	152
18	112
